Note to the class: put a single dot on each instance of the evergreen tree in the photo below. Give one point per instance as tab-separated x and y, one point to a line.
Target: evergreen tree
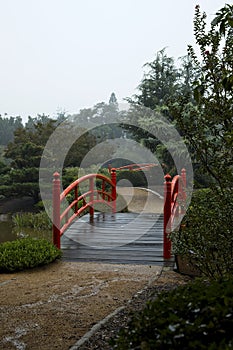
113	100
7	127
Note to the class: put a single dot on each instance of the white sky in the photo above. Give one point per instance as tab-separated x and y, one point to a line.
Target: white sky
71	54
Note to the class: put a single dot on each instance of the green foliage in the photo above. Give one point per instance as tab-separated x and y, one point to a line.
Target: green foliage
26	149
160	83
137	178
24	153
69	175
102	122
207	124
20	190
36	221
4	169
196	316
198	98
2	159
205	236
162	86
26	253
7	128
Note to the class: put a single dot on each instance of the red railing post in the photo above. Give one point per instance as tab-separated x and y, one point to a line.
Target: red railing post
114	194
56	210
91	188
167	217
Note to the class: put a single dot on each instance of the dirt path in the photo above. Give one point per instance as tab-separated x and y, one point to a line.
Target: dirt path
141	200
52	307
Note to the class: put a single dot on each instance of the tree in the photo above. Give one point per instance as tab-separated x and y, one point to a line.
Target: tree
208	124
159	84
103	122
24	152
7	128
113	100
26	149
162	85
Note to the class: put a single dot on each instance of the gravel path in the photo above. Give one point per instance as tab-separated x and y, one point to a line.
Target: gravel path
68	305
56	306
100	339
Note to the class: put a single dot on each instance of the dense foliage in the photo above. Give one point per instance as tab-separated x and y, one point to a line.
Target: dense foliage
26	253
24	154
205	236
207	125
196	316
8	125
36	221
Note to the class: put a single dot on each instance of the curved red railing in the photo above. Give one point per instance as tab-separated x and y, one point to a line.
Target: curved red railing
61	221
136	167
174	201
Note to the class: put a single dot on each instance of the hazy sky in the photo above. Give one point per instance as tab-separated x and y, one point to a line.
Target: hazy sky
71	54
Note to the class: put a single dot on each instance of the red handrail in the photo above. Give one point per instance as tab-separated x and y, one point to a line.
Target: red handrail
136	167
89	198
174	200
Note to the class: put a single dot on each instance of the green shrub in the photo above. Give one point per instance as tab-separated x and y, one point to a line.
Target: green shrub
26	253
69	175
36	221
137	178
30	189
205	236
196	316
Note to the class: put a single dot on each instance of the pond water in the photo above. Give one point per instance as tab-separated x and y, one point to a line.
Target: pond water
9	233
8	208
6	228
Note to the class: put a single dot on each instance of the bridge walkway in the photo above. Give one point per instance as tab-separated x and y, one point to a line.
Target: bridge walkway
121	238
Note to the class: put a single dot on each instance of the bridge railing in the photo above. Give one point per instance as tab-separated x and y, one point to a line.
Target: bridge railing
174	203
63	214
135	167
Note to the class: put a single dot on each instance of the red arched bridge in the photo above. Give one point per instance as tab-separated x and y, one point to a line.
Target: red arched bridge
108	235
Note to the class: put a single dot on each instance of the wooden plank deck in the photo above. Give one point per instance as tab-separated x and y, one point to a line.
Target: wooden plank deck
121	238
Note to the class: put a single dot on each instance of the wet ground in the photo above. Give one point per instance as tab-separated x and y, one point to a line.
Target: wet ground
53	307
